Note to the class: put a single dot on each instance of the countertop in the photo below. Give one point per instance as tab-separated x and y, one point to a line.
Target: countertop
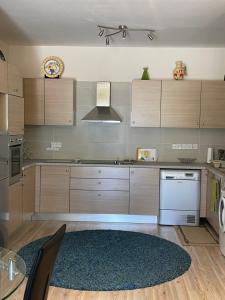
137	164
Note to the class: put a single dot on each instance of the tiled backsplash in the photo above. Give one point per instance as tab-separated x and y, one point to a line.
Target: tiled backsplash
115	141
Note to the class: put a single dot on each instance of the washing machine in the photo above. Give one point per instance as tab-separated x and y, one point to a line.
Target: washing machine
222	222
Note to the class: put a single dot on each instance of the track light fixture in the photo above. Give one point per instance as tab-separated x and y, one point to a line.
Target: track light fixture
110	31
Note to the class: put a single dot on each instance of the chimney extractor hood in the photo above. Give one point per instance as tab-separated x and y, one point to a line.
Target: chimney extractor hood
103	112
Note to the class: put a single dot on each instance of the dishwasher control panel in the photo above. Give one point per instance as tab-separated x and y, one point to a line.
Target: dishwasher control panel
180	174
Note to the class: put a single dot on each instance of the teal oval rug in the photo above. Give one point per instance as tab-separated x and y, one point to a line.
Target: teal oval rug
107	260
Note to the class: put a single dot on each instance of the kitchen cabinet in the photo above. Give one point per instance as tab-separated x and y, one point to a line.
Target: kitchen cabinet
212	104
212	210
28	192
15	115
146	96
54	189
180	103
3	77
15	81
15	207
11	114
144	191
100	190
59	102
34	101
49	101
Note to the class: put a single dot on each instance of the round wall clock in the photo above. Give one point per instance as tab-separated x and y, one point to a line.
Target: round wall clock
52	66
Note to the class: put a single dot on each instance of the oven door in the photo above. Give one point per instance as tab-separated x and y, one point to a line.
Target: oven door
15	163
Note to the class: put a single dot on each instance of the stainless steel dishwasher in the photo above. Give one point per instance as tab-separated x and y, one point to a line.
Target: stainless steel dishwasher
179	197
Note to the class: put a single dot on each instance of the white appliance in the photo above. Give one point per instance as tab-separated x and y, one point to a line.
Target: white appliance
179	197
222	222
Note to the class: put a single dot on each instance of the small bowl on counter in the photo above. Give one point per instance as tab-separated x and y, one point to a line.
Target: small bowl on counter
216	163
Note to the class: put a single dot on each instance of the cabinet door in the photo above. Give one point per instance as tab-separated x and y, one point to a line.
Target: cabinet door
213	104
180	104
15	207
212	215
146	96
54	194
59	102
144	191
34	101
28	192
15	115
3	77
15	81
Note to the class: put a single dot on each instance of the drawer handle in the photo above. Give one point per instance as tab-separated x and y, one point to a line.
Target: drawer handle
99	195
99	182
99	171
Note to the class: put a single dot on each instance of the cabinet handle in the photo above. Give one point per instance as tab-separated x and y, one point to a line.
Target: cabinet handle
131	172
133	122
99	182
99	171
99	195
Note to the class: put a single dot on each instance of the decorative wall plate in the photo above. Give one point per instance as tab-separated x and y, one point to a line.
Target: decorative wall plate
52	66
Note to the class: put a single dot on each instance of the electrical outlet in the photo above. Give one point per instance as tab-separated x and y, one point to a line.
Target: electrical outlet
195	146
56	145
176	146
186	146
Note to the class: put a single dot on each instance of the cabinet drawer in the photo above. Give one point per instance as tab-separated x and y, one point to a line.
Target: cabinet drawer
55	170
104	202
99	184
100	172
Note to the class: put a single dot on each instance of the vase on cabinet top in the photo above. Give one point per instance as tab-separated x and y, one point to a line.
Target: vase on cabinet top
179	71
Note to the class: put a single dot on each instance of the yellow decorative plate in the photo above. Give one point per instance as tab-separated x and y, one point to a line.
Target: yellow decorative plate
52	66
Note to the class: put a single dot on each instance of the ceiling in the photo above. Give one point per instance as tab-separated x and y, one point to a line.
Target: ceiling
192	23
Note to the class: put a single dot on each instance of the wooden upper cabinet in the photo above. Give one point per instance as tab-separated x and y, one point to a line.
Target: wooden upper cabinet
59	102
34	101
15	81
180	103
213	104
144	191
146	96
3	77
15	115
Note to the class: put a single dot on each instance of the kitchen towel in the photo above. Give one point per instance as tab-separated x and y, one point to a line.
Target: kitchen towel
214	195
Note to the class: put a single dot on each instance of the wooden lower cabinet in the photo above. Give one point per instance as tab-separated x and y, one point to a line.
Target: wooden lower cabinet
54	189
212	214
99	190
28	193
99	202
144	191
15	207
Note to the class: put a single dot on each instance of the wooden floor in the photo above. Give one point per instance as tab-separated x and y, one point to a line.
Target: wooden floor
204	280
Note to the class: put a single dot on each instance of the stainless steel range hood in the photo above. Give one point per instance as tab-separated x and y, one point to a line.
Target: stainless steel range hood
103	112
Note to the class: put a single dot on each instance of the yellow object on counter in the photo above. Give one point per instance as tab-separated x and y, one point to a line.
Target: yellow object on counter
215	192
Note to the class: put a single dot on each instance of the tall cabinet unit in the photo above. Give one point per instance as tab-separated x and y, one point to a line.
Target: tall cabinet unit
15	81
213	104
146	96
3	76
144	191
180	103
49	101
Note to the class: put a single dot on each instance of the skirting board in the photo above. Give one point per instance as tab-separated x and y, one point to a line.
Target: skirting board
95	218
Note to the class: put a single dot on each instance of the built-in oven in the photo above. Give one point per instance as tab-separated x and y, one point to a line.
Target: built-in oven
15	158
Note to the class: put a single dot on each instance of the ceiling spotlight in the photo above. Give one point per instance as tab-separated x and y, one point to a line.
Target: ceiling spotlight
101	31
122	29
150	36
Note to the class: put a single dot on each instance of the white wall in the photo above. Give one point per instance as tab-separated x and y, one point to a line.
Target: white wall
121	64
